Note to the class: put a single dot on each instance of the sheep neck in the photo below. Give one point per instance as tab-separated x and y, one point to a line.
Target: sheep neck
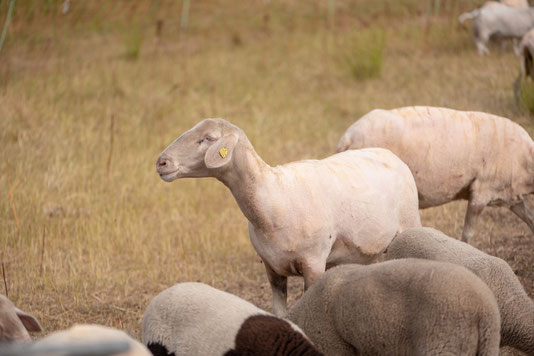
243	178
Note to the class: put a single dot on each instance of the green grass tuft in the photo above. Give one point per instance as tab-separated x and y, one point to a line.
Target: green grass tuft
526	95
133	40
363	54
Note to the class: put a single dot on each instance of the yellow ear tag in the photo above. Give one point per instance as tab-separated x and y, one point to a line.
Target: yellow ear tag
223	152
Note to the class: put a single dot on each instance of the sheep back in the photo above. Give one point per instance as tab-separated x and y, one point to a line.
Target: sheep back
451	154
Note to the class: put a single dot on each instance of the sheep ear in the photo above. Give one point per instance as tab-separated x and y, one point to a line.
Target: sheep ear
220	153
28	320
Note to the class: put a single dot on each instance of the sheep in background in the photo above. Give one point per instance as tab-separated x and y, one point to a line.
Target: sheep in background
521	4
14	323
83	335
453	155
516	308
501	22
402	307
196	319
303	216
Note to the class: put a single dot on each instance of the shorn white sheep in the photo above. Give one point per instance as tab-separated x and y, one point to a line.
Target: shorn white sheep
500	21
196	319
14	323
90	338
516	308
521	4
402	307
486	159
303	216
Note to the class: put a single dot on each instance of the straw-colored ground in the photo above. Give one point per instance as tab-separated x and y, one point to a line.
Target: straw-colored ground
88	100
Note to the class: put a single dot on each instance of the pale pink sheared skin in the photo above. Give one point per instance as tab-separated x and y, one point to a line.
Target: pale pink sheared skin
486	159
303	216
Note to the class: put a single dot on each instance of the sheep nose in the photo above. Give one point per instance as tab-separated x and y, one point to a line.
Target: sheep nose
162	162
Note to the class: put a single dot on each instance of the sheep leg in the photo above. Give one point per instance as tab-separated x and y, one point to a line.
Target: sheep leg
279	289
471	216
481	39
524	213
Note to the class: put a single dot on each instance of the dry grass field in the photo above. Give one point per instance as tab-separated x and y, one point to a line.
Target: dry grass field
88	100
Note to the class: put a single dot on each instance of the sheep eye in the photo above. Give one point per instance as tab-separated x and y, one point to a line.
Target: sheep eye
210	139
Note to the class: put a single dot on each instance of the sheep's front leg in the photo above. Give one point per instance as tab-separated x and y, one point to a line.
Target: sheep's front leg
524	213
279	288
471	216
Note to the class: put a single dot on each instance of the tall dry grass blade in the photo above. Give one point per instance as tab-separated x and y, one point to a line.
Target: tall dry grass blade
185	260
6	24
42	252
4	276
11	195
331	13
185	15
110	144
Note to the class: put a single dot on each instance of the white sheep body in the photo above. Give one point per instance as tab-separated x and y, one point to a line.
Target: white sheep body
83	334
196	319
303	216
501	21
348	206
486	159
516	308
403	307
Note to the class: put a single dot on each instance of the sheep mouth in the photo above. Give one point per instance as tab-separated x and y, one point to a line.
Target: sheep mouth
169	176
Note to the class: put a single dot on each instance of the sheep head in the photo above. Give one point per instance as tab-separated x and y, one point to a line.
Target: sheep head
198	152
14	323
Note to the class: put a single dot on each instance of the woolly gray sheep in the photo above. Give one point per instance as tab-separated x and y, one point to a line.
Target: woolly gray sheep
402	307
516	308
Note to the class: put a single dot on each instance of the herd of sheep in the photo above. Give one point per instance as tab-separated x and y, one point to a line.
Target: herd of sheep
376	282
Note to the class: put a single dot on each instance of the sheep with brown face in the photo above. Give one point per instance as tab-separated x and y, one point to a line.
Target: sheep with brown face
401	307
196	319
516	308
303	216
14	323
483	158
